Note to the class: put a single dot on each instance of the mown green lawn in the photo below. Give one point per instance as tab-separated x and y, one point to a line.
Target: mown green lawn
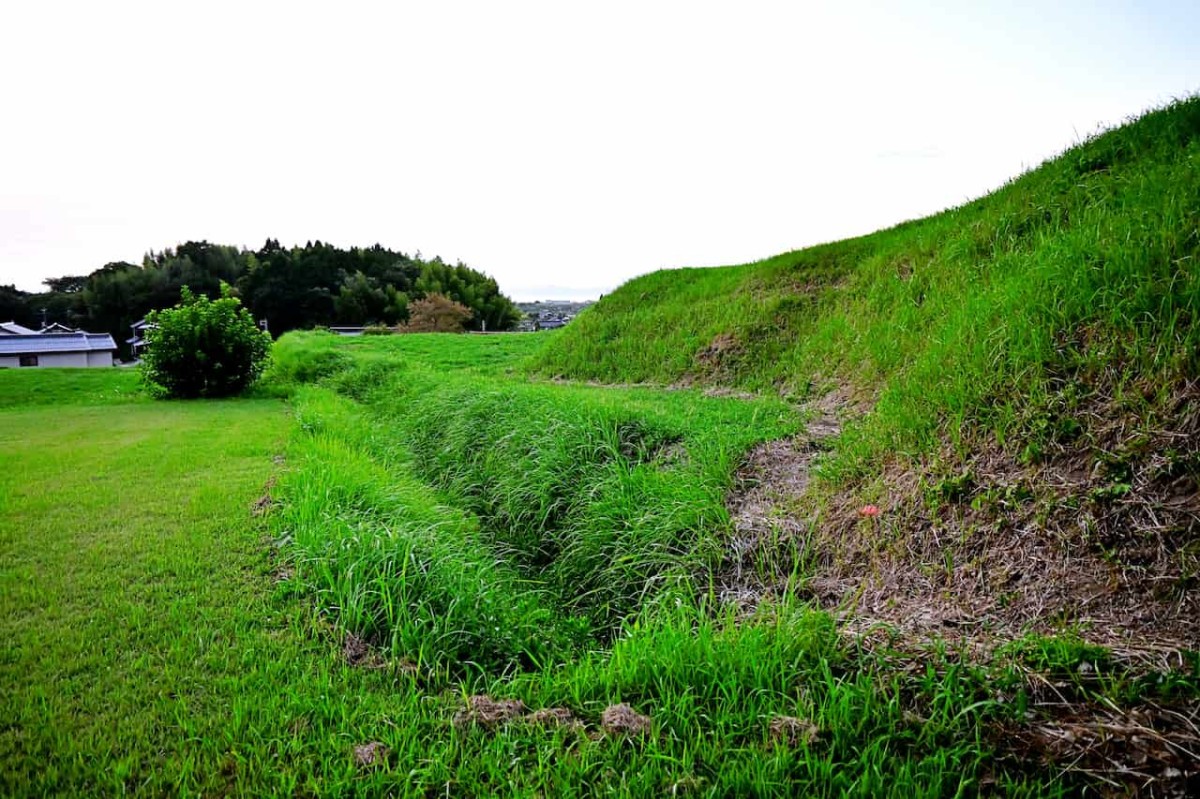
145	648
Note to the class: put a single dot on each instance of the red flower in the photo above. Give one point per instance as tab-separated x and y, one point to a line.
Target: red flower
868	510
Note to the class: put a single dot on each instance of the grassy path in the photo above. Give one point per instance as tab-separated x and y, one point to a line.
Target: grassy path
143	652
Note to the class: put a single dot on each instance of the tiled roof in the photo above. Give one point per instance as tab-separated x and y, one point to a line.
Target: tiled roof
37	343
13	329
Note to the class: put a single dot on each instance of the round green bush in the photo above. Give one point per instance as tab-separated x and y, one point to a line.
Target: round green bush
203	347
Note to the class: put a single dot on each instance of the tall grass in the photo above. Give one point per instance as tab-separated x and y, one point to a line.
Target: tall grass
584	500
393	563
549	543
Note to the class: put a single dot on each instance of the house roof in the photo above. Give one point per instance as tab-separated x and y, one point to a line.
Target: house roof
13	329
38	343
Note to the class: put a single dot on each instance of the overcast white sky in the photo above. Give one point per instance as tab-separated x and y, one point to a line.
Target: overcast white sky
561	147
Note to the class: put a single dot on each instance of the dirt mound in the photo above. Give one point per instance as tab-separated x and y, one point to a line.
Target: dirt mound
624	720
359	653
483	711
791	732
371	754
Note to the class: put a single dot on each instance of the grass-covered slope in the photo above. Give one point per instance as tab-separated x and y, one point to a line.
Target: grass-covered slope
1089	262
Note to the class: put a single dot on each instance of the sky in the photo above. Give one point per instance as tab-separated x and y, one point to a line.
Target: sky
560	147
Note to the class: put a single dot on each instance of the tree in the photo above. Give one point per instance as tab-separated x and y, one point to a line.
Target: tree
291	287
203	347
69	284
360	301
489	308
437	313
14	306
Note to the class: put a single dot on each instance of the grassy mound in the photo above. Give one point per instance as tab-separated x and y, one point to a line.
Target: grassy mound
1088	265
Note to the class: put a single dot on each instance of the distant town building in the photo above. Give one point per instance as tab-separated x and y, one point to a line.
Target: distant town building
550	314
137	342
22	347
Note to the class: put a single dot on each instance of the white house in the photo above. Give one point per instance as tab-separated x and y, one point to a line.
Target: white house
19	348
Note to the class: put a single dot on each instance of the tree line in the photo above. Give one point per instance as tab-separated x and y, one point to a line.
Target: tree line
298	287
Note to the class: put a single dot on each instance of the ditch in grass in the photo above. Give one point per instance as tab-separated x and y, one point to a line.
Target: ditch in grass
437	516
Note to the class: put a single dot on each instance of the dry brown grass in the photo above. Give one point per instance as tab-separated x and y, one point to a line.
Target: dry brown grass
1099	538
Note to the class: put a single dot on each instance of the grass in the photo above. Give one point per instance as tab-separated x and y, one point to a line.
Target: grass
149	654
20	389
562	544
1087	266
143	652
553	544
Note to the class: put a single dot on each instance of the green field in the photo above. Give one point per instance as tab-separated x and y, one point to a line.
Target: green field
144	650
593	562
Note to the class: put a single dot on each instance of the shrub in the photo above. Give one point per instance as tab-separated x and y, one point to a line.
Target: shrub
203	347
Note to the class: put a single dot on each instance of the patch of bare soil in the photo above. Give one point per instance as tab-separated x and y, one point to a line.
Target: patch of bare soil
554	717
789	731
358	652
483	711
774	476
715	361
1103	536
624	720
1100	535
1149	750
264	503
370	754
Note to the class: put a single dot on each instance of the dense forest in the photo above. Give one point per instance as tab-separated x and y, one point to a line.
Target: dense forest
298	287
